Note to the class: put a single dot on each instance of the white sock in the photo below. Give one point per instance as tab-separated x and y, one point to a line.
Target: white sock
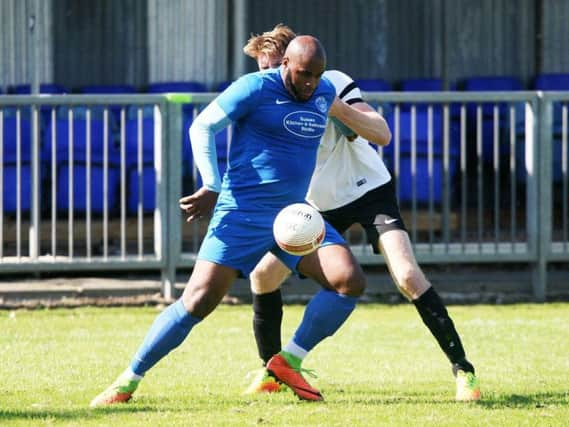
131	376
295	350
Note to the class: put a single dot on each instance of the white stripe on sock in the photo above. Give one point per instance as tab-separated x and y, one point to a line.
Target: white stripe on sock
129	375
295	350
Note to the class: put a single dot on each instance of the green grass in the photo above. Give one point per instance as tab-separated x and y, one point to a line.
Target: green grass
381	368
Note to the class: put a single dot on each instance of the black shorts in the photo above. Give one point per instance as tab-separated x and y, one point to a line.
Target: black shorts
377	211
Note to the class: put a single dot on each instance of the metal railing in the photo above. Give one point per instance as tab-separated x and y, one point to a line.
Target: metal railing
70	178
481	178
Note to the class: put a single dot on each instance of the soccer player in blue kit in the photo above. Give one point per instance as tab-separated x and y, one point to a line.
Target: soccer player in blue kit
279	116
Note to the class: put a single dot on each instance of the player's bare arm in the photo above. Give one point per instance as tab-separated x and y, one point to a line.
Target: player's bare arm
363	120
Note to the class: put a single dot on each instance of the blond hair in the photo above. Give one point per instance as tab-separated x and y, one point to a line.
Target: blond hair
272	43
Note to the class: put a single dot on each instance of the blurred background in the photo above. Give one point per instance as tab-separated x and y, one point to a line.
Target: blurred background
91	171
74	43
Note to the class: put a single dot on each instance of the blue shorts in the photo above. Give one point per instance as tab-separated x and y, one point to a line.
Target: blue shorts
239	240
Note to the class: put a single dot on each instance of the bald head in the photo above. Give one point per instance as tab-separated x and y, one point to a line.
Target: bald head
306	49
303	63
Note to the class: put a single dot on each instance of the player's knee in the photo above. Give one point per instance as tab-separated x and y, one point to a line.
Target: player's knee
351	282
200	301
411	281
264	280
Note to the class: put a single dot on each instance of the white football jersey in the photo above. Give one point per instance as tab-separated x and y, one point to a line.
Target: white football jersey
345	170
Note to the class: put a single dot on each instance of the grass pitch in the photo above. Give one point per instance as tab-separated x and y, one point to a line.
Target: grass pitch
381	368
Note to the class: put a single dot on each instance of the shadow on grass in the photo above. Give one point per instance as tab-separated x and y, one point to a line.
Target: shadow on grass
489	400
534	400
70	414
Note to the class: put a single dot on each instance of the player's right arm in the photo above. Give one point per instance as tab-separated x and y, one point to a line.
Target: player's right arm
229	106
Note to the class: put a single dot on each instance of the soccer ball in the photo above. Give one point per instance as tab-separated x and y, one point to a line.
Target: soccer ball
299	229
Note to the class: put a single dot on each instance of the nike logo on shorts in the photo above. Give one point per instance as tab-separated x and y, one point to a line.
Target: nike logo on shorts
279	102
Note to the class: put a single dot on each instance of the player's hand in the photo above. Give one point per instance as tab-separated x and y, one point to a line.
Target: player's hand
199	204
336	109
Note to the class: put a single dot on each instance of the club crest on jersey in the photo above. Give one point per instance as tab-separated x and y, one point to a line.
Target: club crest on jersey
321	104
305	124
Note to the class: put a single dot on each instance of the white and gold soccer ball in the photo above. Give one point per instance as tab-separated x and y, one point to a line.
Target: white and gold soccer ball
299	229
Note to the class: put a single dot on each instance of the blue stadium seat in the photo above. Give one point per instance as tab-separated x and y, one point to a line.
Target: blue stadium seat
45	88
10	154
492	84
80	185
373	85
176	87
148	190
421	150
110	90
10	172
148	173
223	85
422	178
551	81
422	85
187	118
10	133
80	136
132	146
422	131
79	141
147	137
555	82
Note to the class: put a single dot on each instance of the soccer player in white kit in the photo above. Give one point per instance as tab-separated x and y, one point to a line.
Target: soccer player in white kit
351	185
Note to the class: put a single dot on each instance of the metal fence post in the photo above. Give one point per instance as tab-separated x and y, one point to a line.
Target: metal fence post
34	230
172	150
33	76
542	212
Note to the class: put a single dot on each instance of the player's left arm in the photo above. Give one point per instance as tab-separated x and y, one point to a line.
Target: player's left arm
363	120
233	103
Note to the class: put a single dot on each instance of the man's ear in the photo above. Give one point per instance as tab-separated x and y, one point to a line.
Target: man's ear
285	61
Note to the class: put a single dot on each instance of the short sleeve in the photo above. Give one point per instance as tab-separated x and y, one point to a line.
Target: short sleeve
346	88
241	96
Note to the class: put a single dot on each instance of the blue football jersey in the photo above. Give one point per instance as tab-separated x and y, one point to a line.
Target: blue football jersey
275	141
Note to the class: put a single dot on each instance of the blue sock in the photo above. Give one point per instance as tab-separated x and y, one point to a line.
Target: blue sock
323	316
167	332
